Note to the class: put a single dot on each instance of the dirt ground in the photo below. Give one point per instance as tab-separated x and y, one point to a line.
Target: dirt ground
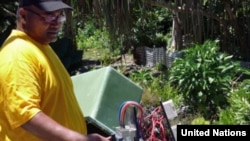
125	61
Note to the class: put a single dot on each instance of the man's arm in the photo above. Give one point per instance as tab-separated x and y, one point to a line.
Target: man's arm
47	129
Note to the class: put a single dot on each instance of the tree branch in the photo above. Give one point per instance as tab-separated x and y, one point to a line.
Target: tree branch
175	9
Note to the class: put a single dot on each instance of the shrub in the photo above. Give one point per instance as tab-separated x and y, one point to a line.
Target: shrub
239	110
142	76
200	121
204	77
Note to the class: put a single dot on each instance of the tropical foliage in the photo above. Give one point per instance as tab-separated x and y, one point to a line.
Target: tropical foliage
204	76
192	21
206	72
239	110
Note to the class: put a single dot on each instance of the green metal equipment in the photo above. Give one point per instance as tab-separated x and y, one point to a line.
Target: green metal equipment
100	93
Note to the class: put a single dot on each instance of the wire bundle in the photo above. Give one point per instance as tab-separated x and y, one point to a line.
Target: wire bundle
154	129
150	127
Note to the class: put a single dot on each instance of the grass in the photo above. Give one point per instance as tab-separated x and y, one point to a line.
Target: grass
93	53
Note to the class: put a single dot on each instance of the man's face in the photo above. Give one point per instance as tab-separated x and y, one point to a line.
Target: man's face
42	26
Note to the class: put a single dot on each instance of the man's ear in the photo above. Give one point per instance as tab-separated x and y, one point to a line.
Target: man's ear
21	13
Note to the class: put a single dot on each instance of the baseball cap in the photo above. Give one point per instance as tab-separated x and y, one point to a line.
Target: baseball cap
45	5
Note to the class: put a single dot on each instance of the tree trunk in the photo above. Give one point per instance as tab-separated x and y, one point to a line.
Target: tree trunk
68	28
176	33
238	30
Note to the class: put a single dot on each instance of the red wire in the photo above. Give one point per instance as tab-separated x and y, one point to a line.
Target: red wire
156	122
148	124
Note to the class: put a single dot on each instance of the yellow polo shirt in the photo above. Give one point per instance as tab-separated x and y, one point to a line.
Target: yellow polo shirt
33	79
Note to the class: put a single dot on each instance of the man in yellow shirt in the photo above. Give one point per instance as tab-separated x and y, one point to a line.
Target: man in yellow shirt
37	100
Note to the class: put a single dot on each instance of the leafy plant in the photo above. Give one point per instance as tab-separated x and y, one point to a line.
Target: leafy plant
162	89
151	27
200	121
142	76
94	36
239	110
204	78
95	39
106	58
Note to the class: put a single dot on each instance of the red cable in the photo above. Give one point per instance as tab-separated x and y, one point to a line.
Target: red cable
156	122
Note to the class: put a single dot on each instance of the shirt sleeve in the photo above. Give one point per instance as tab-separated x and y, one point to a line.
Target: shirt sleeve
21	91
